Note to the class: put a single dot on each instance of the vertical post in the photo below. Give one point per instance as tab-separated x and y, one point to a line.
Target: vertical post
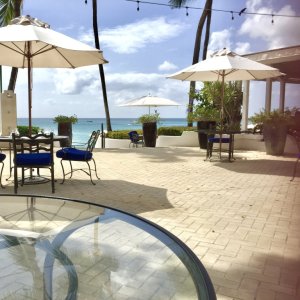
282	96
29	86
245	111
1	79
268	95
102	137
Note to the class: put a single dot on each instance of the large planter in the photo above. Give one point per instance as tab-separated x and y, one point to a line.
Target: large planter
150	133
202	137
275	137
65	128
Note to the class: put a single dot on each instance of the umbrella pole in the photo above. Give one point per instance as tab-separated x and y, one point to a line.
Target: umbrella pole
29	86
222	112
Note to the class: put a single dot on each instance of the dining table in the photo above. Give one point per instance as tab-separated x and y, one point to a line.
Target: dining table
34	179
57	248
222	137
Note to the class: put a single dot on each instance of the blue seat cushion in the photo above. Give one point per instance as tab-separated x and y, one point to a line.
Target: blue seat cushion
2	156
74	154
218	140
33	159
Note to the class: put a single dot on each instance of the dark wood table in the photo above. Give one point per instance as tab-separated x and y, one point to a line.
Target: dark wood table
222	134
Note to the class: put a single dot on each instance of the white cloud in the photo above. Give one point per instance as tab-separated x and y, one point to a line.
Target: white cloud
219	40
76	81
130	85
223	39
242	48
134	36
281	33
167	66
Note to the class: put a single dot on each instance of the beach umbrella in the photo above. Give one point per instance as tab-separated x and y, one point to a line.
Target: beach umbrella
225	65
150	101
30	43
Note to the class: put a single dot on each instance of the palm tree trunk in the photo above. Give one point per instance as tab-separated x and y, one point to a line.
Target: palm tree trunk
13	79
206	10
207	32
101	69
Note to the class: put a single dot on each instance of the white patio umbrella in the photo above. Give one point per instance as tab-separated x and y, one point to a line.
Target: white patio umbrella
150	101
225	65
30	43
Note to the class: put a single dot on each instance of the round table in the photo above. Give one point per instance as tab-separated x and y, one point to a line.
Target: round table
54	248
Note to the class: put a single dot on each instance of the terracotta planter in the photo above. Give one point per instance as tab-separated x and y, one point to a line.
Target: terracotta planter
202	137
150	133
275	137
65	128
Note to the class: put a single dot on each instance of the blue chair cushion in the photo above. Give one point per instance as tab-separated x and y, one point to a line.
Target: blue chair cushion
33	159
74	154
2	157
217	140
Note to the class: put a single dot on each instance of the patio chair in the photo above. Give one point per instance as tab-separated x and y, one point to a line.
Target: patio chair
135	139
217	140
32	152
2	157
72	154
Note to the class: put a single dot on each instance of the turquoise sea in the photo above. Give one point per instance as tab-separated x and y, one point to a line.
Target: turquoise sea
83	128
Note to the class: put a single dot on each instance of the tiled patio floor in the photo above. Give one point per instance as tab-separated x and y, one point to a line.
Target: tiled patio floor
242	219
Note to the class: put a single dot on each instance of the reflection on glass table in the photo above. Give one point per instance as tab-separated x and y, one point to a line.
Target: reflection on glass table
53	248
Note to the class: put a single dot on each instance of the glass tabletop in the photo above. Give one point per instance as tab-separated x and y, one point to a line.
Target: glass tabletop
52	248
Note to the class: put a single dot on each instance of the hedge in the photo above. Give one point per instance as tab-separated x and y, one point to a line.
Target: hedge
24	130
170	131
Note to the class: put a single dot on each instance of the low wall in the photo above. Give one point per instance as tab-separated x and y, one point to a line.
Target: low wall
187	139
250	142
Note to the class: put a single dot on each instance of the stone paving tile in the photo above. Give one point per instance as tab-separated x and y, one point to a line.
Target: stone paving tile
242	219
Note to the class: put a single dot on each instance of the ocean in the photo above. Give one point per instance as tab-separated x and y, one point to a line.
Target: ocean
83	128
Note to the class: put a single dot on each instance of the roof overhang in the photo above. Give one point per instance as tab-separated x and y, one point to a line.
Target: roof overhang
287	60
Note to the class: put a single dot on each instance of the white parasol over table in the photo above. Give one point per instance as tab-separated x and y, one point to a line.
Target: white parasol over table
150	101
30	43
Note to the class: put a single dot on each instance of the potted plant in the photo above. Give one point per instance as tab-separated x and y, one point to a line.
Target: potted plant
275	125
149	123
206	115
64	124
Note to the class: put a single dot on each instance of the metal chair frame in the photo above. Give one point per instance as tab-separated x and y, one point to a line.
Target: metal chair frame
1	175
135	139
35	144
90	147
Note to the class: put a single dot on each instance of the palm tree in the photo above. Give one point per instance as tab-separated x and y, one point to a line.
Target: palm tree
101	69
10	9
205	17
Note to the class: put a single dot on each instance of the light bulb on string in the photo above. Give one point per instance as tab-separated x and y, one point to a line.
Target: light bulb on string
187	11
138	5
272	21
232	17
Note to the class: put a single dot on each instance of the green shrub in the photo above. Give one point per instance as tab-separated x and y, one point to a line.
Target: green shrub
149	118
174	130
171	131
64	119
24	130
120	134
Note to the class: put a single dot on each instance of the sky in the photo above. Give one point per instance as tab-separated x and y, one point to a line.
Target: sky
145	46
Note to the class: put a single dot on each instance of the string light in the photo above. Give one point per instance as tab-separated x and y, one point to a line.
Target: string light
187	11
232	12
138	5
